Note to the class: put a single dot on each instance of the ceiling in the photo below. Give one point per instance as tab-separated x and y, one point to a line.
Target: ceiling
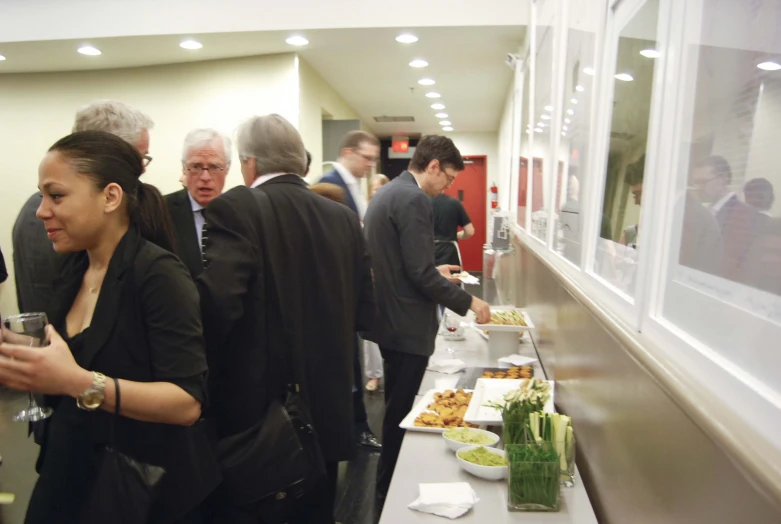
367	67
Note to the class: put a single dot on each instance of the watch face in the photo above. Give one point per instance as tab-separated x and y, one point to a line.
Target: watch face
93	399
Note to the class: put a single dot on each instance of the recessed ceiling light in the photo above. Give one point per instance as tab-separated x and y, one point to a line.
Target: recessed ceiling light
441	115
538	130
563	133
445	123
580	89
89	50
626	77
191	44
548	108
769	66
650	53
447	128
407	38
545	117
432	94
418	63
437	106
297	40
426	82
570	112
589	71
574	100
528	131
564	128
2	58
567	121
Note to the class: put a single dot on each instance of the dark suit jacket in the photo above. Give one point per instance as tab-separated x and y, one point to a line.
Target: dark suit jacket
146	328
333	177
3	270
36	264
741	226
399	227
307	295
185	236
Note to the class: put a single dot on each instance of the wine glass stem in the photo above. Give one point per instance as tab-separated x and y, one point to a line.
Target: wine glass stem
30	402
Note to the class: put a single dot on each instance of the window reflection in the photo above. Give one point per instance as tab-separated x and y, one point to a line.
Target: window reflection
523	175
542	179
621	232
578	86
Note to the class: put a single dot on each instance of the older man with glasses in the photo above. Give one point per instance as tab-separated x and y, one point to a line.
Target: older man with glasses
206	158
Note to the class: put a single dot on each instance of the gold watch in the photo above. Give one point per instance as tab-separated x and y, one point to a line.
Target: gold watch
92	397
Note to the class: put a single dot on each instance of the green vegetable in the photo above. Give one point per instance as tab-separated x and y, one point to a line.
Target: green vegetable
482	457
468	436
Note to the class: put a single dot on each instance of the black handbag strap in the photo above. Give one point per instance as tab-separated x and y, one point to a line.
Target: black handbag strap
115	417
269	237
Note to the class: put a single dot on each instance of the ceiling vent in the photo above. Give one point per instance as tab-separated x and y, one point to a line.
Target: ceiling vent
388	119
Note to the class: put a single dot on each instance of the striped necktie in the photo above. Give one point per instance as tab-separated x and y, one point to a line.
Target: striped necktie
204	236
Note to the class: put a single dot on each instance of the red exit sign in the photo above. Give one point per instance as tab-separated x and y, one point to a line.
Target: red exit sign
400	145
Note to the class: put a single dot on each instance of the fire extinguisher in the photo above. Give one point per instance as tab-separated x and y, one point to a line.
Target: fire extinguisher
494	196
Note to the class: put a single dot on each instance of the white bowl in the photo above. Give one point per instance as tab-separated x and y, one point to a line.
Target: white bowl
455	445
484	472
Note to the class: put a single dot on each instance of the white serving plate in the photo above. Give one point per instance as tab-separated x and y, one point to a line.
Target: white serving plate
494	390
496	327
422	406
484	472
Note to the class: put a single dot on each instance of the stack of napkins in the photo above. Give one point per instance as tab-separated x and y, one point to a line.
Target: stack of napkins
517	360
449	500
446	365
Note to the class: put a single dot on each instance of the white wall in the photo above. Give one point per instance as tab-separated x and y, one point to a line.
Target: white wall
27	20
763	155
316	95
38	109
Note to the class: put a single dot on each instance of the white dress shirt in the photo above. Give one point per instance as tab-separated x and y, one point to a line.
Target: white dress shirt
715	208
262	179
199	219
354	187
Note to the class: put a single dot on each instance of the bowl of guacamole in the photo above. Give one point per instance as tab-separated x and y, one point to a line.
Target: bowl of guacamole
483	462
457	438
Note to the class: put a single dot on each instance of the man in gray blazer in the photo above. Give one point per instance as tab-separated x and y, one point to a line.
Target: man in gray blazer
399	227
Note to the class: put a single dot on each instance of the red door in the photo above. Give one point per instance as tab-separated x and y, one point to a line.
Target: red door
470	188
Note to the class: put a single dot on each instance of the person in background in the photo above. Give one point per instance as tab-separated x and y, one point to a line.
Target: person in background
634	177
358	154
372	359
146	333
318	258
758	193
400	235
36	264
741	225
449	215
330	191
308	162
3	269
206	160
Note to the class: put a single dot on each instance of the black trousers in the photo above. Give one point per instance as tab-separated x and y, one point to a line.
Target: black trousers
315	508
403	373
359	408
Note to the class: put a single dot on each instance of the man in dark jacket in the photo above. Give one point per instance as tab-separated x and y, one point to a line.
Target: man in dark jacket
399	227
287	280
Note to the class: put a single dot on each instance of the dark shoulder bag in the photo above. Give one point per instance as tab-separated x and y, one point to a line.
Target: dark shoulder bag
124	488
273	464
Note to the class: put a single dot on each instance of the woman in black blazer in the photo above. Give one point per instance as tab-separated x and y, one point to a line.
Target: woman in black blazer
128	309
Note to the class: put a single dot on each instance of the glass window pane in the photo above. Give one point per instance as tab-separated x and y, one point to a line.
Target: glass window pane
525	137
726	261
620	232
573	151
542	174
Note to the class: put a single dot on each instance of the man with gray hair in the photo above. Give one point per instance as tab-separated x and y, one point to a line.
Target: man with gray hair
206	159
286	286
36	264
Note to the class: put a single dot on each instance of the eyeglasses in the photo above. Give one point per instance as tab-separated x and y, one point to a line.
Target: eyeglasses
147	160
368	158
197	169
450	178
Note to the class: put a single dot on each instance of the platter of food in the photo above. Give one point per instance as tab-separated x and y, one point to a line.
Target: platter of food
507	319
492	391
511	373
437	411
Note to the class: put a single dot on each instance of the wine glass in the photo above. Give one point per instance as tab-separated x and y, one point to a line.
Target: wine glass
27	329
451	324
